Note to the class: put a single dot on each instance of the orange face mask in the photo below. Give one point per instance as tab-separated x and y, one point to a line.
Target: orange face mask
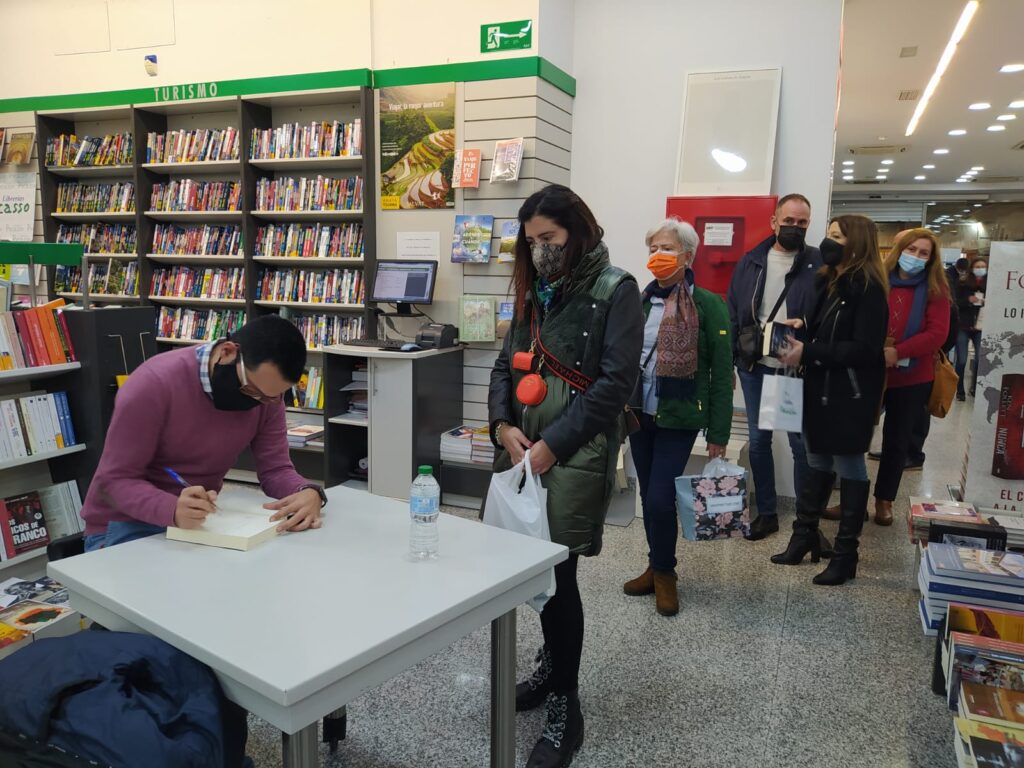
663	265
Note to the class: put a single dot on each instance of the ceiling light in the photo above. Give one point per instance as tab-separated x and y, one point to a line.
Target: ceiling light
890	162
730	161
961	180
980	105
882	170
957	132
1007	117
880	178
1018	104
970	173
967	210
977	205
940	152
1012	68
928	167
920	178
932	203
847	162
947	56
996	128
977	167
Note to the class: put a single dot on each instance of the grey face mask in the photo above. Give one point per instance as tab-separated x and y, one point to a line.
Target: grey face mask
548	258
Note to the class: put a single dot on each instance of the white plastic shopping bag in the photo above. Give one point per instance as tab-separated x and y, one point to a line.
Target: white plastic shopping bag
782	403
713	504
517	502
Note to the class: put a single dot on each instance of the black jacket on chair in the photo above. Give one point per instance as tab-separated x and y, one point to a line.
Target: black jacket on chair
844	366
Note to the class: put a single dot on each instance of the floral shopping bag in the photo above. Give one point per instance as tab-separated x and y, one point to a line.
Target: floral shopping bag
713	505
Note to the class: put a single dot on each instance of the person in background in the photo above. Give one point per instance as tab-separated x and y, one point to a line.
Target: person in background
919	307
686	369
844	376
783	262
193	411
583	317
969	292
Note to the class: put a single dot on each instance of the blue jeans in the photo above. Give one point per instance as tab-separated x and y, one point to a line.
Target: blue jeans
762	461
660	456
849	466
962	339
120	532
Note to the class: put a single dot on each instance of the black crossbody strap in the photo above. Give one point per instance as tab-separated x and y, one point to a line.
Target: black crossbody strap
787	284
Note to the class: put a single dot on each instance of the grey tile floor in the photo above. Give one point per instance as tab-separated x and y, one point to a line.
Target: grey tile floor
760	667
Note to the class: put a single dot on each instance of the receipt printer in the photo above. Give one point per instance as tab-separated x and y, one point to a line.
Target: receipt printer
437	336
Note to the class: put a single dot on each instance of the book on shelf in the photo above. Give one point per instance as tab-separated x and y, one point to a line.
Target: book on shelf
358	400
300	435
192	146
35	337
183	195
471	241
457	444
311	240
307	194
506	313
476	318
62	509
100	237
325	286
114	278
466	169
76	197
67	150
23	524
483	448
318	139
198	324
509	235
19	147
240	522
197	282
324	330
309	390
360	372
35	423
508	159
197	239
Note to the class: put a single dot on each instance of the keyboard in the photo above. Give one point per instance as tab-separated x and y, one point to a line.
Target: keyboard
392	344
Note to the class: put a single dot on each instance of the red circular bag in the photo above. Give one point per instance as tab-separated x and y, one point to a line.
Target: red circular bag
531	390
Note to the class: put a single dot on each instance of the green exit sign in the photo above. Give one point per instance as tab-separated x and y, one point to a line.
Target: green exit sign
506	36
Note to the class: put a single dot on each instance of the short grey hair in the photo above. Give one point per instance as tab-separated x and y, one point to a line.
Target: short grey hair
684	233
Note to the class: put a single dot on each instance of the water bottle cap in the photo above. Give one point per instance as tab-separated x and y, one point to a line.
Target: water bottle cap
426	469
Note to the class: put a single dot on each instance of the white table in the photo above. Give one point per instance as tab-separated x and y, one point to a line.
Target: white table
300	626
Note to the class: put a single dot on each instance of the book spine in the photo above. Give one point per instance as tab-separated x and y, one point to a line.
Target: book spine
49	327
15	337
24	419
25	334
63	397
41	424
5	533
64	418
50	404
13	427
65	344
36	334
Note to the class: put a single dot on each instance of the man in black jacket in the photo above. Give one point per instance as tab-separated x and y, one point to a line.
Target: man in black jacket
782	265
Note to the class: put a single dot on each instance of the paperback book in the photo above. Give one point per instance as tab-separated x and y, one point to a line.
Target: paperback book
471	241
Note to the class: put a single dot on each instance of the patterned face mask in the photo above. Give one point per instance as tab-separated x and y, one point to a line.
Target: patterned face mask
548	258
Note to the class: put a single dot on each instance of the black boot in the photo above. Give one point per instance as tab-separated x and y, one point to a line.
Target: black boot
531	693
763	527
563	733
810	502
853	498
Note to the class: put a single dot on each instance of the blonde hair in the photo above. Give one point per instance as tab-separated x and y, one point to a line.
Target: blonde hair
938	285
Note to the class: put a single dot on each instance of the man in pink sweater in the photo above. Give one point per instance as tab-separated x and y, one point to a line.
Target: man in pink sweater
180	422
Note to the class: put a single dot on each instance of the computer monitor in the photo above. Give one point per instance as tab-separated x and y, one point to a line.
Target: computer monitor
404	283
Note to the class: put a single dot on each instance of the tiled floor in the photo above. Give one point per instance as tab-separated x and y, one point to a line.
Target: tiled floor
760	667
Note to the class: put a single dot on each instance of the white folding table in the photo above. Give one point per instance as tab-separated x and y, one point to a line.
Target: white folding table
301	625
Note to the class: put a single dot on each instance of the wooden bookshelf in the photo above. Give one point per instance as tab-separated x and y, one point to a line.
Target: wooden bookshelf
303	262
197	167
313	305
112	216
182	258
308	163
37	372
185	216
91	171
101	298
36	457
114	256
198	301
313	216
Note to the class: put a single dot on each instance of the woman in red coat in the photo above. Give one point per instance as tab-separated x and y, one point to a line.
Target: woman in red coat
919	306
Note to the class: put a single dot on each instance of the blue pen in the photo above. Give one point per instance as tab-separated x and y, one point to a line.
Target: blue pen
180	480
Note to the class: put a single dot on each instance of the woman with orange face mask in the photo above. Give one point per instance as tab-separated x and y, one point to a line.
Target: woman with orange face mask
685	387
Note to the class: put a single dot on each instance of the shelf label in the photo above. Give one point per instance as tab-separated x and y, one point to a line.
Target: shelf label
17	206
185	92
506	36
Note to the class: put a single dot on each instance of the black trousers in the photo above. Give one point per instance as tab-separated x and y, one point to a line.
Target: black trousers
903	406
562	623
918	434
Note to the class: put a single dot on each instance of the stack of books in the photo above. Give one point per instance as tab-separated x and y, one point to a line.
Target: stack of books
483	448
31	610
924	513
299	435
457	445
1013	526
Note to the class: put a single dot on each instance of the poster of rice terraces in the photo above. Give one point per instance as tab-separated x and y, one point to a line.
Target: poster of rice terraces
417	146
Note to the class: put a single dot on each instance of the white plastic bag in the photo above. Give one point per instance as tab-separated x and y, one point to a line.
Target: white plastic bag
782	403
517	502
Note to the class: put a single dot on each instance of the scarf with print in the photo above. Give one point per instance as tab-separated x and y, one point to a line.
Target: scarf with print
677	339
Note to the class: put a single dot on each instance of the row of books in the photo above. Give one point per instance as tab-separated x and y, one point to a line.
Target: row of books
321	331
34	337
113	278
194	146
959	522
467	444
952	573
307	194
309	391
73	197
310	240
90	151
100	237
34	424
34	610
318	139
34	519
198	324
197	282
192	195
327	286
193	239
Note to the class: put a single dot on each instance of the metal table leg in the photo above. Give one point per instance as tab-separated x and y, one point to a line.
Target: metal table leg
335	728
301	750
503	688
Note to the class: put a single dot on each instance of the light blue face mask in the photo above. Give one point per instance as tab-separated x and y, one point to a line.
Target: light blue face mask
911	264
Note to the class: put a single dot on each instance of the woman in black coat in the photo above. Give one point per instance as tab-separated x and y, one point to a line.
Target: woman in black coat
844	377
969	293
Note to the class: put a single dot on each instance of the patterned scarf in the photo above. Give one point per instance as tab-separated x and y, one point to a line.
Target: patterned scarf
677	341
547	291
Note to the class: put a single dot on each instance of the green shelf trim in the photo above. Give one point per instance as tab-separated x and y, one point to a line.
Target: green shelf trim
494	69
68	254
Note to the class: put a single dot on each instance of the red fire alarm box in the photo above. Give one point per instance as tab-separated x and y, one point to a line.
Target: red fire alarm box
728	227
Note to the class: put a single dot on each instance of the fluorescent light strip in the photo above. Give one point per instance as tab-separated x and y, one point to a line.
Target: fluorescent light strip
940	69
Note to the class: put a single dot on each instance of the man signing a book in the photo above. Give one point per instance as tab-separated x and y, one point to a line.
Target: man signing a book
180	422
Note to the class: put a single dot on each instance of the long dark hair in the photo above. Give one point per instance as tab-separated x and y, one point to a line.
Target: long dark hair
860	254
567	210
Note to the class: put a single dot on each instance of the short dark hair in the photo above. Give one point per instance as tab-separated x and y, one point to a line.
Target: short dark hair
790	197
272	339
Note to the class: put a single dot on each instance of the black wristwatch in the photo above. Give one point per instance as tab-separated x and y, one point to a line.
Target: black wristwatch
320	492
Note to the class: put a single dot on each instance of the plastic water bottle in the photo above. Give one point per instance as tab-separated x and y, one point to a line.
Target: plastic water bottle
424	507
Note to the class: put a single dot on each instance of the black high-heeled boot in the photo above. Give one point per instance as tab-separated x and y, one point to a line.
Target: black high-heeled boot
853	499
810	501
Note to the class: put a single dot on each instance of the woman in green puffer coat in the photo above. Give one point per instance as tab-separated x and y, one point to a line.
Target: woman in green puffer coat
582	316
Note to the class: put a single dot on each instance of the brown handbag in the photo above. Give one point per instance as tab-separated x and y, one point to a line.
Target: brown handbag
943	387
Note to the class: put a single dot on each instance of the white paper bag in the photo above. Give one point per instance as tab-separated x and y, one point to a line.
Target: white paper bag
517	502
782	404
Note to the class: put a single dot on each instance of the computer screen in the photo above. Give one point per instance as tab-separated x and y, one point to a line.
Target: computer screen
404	282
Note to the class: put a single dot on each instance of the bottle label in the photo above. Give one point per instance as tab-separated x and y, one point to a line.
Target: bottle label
423	505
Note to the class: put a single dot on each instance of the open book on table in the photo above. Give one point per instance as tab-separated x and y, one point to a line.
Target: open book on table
240	522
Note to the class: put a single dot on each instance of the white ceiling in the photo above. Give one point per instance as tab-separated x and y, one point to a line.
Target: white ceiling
873	74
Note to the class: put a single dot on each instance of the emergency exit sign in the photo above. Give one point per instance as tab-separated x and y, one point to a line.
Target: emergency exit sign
506	36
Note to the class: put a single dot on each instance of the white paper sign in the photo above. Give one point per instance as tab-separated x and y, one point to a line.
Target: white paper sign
718	234
419	245
17	206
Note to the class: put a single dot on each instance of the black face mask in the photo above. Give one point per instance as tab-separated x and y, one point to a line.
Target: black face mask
831	252
791	237
226	393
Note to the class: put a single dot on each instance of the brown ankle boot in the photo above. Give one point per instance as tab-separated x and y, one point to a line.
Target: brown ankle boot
883	512
641	585
666	596
832	513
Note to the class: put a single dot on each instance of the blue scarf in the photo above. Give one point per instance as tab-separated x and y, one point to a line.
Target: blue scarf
919	283
547	291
